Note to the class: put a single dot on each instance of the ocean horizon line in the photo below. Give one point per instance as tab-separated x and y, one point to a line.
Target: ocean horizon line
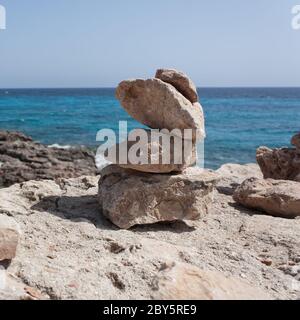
113	88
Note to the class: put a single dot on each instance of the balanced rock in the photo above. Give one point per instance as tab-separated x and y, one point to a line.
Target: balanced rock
153	151
279	198
180	81
159	105
187	282
9	237
129	197
281	164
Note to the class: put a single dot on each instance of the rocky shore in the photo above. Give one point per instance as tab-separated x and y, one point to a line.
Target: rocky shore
22	159
69	250
144	230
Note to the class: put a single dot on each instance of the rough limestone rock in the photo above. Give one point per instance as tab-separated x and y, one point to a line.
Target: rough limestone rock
276	197
69	250
232	175
279	164
160	154
186	282
131	198
180	81
9	237
22	159
296	142
159	105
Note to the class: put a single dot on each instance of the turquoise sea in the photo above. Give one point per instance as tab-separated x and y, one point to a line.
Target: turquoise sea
238	120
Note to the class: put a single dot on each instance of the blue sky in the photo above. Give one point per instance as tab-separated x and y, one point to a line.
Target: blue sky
98	43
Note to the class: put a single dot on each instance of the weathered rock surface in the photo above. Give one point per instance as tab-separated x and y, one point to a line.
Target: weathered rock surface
69	250
9	237
159	105
186	282
161	153
180	81
279	164
131	198
232	175
296	142
22	159
275	197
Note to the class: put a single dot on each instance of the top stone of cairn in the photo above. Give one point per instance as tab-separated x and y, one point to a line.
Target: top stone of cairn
180	81
159	105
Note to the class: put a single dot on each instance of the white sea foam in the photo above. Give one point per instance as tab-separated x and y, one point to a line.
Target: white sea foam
101	162
58	146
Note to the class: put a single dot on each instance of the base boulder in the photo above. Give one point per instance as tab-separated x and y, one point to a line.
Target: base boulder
129	198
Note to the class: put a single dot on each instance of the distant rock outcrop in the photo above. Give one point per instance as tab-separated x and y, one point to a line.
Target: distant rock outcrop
282	164
279	194
22	159
296	142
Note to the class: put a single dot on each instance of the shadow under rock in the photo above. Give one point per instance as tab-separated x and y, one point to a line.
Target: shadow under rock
75	209
228	190
173	226
78	208
244	210
5	264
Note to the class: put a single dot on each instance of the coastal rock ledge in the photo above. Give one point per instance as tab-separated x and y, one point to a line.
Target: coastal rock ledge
22	159
279	164
69	250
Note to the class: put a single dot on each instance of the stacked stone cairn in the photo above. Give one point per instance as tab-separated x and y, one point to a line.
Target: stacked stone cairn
153	191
